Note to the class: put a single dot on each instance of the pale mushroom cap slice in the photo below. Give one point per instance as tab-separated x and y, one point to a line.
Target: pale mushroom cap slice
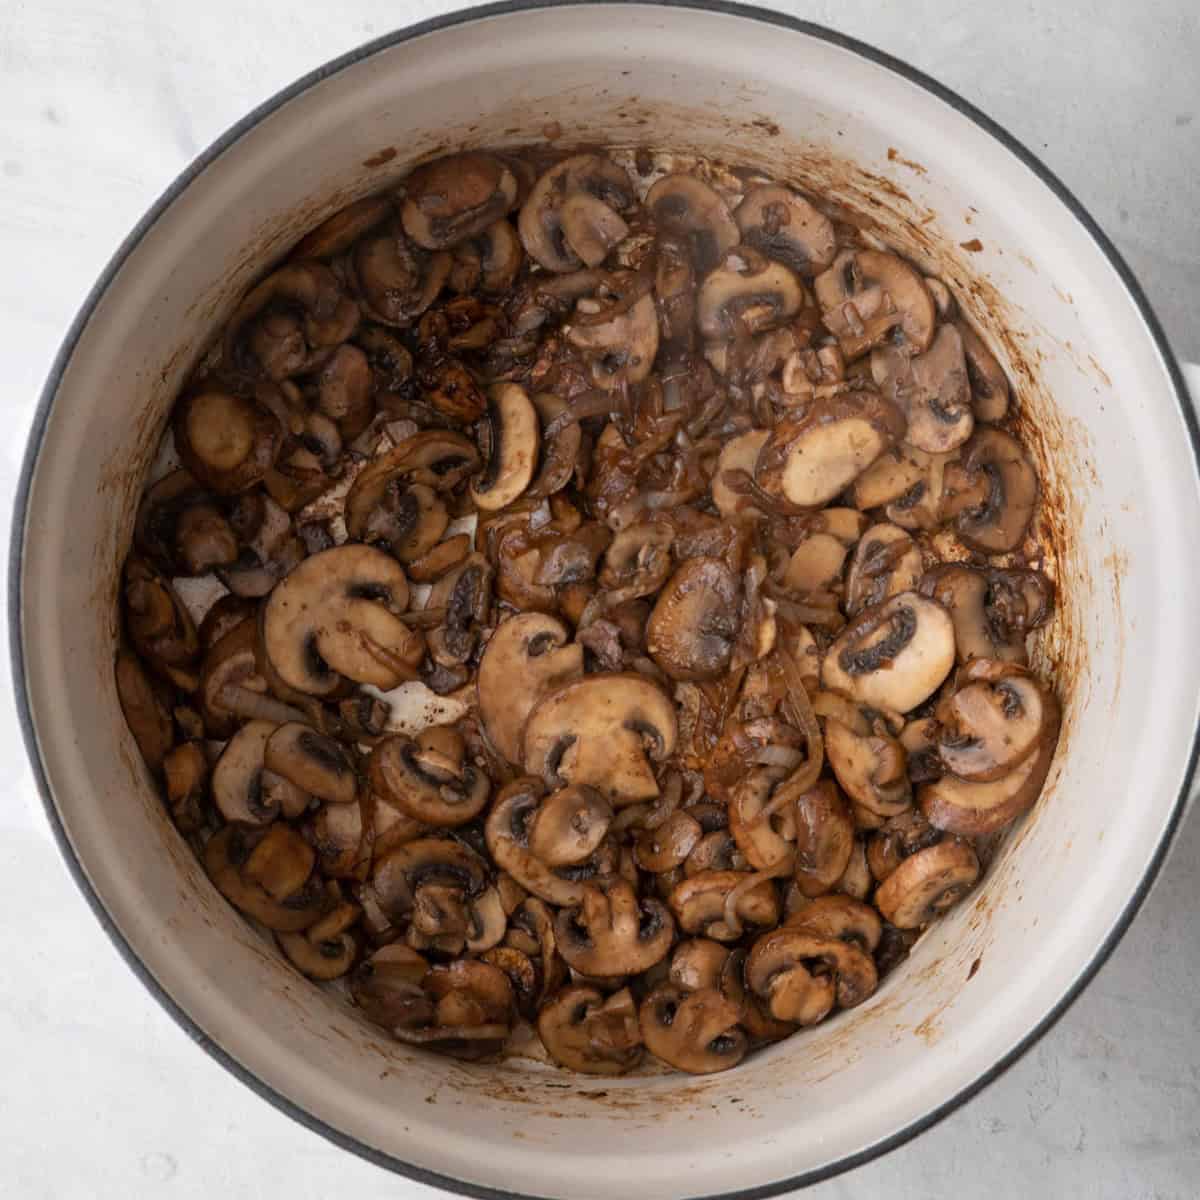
786	227
886	562
893	656
940	416
528	656
515	440
602	731
840	916
816	564
989	384
739	454
872	769
334	616
749	289
925	885
1010	484
237	778
312	761
454	198
810	459
687	207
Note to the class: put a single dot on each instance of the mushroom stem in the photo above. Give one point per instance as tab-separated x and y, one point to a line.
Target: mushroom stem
242	702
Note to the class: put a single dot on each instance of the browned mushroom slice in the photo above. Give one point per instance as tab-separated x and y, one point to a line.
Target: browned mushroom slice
159	626
856	880
886	562
638	561
686	207
893	656
989	384
232	685
696	1032
387	987
473	1010
602	731
613	933
464	595
327	949
928	883
738	454
440	560
431	884
762	817
800	974
586	1031
549	234
824	838
701	904
312	761
237	778
868	297
569	826
871	767
932	390
994	720
457	197
560	453
267	874
747	293
993	494
616	328
786	227
344	391
897	839
695	622
335	616
339	232
513	436
507	833
841	917
145	709
698	964
430	777
394	278
227	443
526	657
345	836
182	529
185	774
809	459
488	262
668	845
269	550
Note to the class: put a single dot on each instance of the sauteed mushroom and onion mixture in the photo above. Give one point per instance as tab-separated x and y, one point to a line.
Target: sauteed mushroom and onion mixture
591	600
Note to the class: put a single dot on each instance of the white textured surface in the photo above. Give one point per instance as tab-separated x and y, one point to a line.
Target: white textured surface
100	1094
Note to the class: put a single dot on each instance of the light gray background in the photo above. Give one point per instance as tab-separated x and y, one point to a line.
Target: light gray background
101	104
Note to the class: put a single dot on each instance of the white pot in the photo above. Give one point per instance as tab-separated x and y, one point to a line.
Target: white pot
1117	450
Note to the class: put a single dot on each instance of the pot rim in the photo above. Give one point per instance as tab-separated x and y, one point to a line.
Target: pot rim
33	447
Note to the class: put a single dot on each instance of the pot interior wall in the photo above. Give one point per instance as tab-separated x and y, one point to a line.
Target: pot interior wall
1121	490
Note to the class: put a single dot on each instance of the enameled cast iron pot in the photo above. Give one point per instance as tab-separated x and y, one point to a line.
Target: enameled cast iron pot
1105	413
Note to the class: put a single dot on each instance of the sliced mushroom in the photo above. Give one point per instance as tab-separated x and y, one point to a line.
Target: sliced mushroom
992	496
338	233
696	620
886	562
455	198
145	709
159	625
232	685
932	390
613	933
747	293
700	904
326	950
237	778
785	964
824	838
185	774
739	454
525	658
226	442
897	839
617	330
893	656
335	616
269	550
686	207
569	826
546	233
395	279
928	883
786	227
841	917
387	987
429	777
868	296
667	846
871	767
585	1031
473	1010
267	874
989	384
488	262
513	437
602	731
696	1032
344	391
638	561
698	964
464	595
182	529
346	835
809	459
312	761
764	837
